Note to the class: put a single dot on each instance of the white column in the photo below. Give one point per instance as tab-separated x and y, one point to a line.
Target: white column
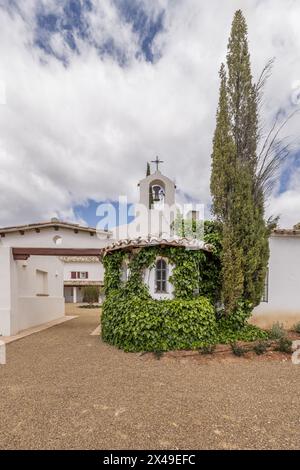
5	291
74	295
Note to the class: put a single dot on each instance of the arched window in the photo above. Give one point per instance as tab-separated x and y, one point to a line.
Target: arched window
161	276
156	195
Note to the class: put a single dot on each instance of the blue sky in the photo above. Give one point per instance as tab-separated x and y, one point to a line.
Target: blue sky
71	21
92	90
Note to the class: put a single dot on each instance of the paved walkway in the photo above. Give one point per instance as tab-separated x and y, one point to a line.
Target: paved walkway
63	388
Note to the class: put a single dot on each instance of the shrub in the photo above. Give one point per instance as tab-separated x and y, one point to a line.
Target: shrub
91	294
247	333
208	349
296	327
284	345
136	324
238	350
261	347
238	318
90	306
276	331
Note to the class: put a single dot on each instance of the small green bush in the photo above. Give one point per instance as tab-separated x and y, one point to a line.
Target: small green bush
296	327
284	345
247	333
238	350
208	349
237	319
261	347
276	331
91	294
135	324
90	306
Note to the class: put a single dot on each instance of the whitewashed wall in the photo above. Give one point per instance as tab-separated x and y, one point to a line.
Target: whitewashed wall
21	303
20	306
8	290
47	236
34	309
283	284
95	270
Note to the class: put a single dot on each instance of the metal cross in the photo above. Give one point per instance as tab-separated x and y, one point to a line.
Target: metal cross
157	162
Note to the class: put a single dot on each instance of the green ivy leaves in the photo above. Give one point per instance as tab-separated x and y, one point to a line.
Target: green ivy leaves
135	324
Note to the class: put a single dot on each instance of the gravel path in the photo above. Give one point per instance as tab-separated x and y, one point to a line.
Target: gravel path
65	389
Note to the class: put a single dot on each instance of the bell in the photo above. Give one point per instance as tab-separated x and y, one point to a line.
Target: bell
156	191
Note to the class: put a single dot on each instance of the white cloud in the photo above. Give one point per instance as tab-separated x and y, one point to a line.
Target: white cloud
87	130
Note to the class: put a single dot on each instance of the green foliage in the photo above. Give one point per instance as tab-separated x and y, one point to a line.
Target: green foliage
133	321
148	171
136	324
238	350
112	265
238	318
238	201
284	345
232	272
223	156
276	331
234	327
247	333
195	272
91	294
261	347
90	306
296	327
189	228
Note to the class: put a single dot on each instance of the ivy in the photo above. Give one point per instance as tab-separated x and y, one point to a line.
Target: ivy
112	265
133	321
136	324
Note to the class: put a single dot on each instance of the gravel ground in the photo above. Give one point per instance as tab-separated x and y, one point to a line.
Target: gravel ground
65	389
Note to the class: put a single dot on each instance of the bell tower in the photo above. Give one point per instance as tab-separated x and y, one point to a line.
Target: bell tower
157	190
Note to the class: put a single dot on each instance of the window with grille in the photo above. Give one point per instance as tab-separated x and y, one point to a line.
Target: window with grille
79	275
161	276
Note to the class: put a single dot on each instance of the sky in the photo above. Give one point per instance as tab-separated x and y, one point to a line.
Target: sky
92	90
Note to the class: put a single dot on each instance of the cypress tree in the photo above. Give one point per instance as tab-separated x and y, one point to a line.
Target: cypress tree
148	173
233	181
223	156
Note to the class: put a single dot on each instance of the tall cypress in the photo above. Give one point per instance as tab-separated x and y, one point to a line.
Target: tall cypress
148	173
233	181
223	156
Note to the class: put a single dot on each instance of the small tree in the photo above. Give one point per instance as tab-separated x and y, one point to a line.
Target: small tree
91	294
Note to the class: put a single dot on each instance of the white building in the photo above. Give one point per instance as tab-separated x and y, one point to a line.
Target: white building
80	272
281	300
155	211
33	273
45	264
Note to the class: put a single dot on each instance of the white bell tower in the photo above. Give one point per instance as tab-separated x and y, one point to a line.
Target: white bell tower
157	190
157	195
